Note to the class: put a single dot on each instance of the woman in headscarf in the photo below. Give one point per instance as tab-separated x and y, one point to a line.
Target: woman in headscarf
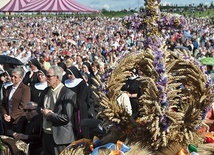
31	76
38	88
133	90
87	69
76	83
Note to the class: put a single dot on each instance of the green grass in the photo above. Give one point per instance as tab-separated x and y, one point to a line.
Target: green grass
208	13
117	13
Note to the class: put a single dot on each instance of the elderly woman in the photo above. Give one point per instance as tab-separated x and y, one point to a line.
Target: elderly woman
76	83
15	98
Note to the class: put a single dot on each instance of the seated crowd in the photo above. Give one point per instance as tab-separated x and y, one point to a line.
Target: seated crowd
50	99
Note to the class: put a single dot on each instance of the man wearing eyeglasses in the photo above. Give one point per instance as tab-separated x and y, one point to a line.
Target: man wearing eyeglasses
57	110
14	100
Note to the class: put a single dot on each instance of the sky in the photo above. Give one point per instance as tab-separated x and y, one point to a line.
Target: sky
121	4
125	4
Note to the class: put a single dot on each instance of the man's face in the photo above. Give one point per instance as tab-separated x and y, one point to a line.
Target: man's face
51	78
30	111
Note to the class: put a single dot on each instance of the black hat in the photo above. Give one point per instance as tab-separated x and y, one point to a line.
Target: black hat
62	65
36	63
43	71
89	67
2	72
73	70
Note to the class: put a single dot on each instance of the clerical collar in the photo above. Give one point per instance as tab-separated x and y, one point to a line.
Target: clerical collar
41	85
72	83
133	77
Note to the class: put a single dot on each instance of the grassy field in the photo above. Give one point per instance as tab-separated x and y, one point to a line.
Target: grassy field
208	13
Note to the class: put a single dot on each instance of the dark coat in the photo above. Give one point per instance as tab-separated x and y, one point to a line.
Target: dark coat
62	126
32	128
133	86
30	81
36	95
81	110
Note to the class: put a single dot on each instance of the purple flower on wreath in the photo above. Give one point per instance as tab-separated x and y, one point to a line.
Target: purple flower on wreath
155	62
165	104
183	21
163	81
160	88
160	68
158	43
164	123
158	54
204	112
164	97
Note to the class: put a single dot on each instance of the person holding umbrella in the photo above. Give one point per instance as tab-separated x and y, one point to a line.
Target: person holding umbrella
9	62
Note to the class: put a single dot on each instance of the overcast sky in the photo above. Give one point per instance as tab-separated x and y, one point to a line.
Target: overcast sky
125	4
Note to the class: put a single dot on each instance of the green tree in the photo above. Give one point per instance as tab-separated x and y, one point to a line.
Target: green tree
201	5
104	10
211	6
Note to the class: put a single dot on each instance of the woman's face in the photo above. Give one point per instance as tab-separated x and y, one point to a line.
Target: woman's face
2	78
85	69
94	68
70	76
42	77
33	67
140	72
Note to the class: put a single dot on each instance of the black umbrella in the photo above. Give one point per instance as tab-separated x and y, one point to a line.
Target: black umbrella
4	59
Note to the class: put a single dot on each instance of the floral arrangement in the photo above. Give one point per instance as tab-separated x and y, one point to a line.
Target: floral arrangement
176	89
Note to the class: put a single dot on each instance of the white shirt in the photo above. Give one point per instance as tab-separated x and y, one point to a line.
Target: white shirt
12	92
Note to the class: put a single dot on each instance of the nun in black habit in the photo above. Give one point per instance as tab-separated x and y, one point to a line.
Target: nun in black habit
38	89
76	83
133	89
31	76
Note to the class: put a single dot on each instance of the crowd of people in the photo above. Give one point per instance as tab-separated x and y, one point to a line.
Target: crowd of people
62	56
103	40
